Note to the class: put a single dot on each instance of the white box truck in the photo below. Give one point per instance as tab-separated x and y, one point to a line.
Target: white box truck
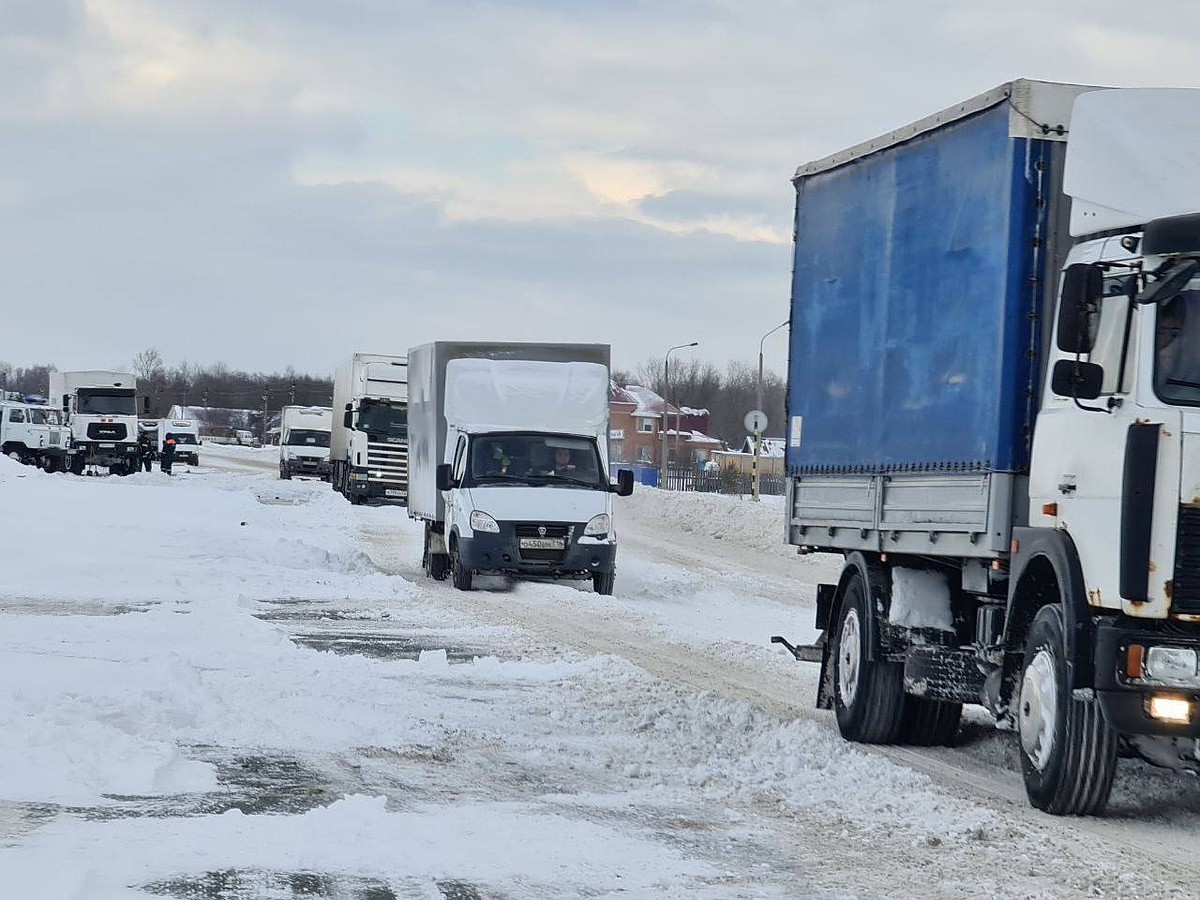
187	439
304	441
509	461
102	415
33	433
368	444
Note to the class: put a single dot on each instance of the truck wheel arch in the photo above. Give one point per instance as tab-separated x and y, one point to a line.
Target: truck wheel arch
1046	569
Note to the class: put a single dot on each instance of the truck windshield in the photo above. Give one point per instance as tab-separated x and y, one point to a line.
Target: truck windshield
383	419
44	417
91	402
184	438
1177	348
304	437
535	459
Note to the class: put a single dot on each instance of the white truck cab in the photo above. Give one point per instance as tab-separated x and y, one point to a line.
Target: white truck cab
101	408
304	441
33	434
187	439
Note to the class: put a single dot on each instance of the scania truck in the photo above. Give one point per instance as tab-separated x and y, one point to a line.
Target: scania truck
368	443
509	453
994	416
304	441
102	414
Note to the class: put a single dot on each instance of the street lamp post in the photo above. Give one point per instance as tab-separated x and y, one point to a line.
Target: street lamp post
666	391
757	421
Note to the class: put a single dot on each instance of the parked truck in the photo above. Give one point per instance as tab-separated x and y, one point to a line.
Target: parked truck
32	433
368	444
304	441
509	461
102	415
187	439
994	416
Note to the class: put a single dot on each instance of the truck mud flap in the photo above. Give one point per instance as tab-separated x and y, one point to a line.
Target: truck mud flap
943	673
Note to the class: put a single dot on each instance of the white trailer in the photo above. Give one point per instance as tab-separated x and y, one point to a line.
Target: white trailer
368	442
102	414
304	433
509	458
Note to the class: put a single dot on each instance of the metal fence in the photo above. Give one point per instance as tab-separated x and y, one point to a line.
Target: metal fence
726	481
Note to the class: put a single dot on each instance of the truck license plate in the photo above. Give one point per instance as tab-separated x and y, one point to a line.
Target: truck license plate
108	446
542	544
391	492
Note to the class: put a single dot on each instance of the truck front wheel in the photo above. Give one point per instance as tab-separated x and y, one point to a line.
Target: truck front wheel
1068	752
868	695
460	574
602	583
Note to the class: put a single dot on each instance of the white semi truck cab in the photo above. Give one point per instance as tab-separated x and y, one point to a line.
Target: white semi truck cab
994	416
304	441
102	414
368	443
510	461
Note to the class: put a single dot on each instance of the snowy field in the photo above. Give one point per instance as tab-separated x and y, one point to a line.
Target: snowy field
219	685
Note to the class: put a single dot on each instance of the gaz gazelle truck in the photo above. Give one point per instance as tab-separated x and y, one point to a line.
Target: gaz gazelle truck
994	416
509	461
368	443
304	441
102	415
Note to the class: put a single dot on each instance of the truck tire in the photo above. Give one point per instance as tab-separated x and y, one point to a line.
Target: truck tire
602	583
868	695
460	574
1068	752
930	723
284	474
77	465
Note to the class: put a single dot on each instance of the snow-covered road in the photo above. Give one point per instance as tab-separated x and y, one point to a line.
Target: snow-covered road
221	685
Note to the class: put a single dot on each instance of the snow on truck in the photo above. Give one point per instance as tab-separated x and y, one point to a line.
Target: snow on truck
102	415
304	441
368	445
994	415
509	461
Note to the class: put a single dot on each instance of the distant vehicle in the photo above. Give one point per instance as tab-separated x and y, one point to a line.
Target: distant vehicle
510	461
33	434
102	413
246	438
187	439
368	445
304	441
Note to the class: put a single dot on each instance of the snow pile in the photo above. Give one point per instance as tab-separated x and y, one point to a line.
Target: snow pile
920	599
737	520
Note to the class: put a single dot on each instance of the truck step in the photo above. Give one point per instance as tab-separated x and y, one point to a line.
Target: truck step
943	673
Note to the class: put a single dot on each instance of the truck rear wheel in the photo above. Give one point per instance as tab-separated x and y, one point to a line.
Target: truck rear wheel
868	695
1068	752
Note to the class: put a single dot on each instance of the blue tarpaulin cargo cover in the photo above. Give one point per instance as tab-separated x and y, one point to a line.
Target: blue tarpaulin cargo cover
916	294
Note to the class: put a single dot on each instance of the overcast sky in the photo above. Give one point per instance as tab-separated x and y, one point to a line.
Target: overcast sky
284	182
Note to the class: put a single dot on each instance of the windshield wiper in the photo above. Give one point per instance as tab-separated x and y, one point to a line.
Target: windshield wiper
1181	383
482	479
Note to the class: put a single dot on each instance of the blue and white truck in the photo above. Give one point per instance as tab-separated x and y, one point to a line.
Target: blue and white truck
994	416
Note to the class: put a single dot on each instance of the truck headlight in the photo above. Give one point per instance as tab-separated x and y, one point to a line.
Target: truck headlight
1171	665
598	526
481	521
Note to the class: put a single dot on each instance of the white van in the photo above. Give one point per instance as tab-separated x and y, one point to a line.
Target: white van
187	439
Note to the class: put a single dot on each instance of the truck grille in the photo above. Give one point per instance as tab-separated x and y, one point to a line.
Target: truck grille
387	463
106	431
1185	598
552	530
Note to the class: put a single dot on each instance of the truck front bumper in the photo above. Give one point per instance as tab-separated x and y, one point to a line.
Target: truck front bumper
104	453
501	554
362	489
1125	701
302	465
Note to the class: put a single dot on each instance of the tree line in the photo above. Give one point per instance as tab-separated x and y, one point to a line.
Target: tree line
727	395
189	384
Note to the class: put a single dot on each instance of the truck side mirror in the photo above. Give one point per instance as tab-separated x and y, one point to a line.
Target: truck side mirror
146	404
1080	380
445	477
1083	285
347	419
624	485
66	403
1169	283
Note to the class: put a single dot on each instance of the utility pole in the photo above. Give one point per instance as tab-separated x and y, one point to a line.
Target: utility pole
292	393
757	431
264	421
666	418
